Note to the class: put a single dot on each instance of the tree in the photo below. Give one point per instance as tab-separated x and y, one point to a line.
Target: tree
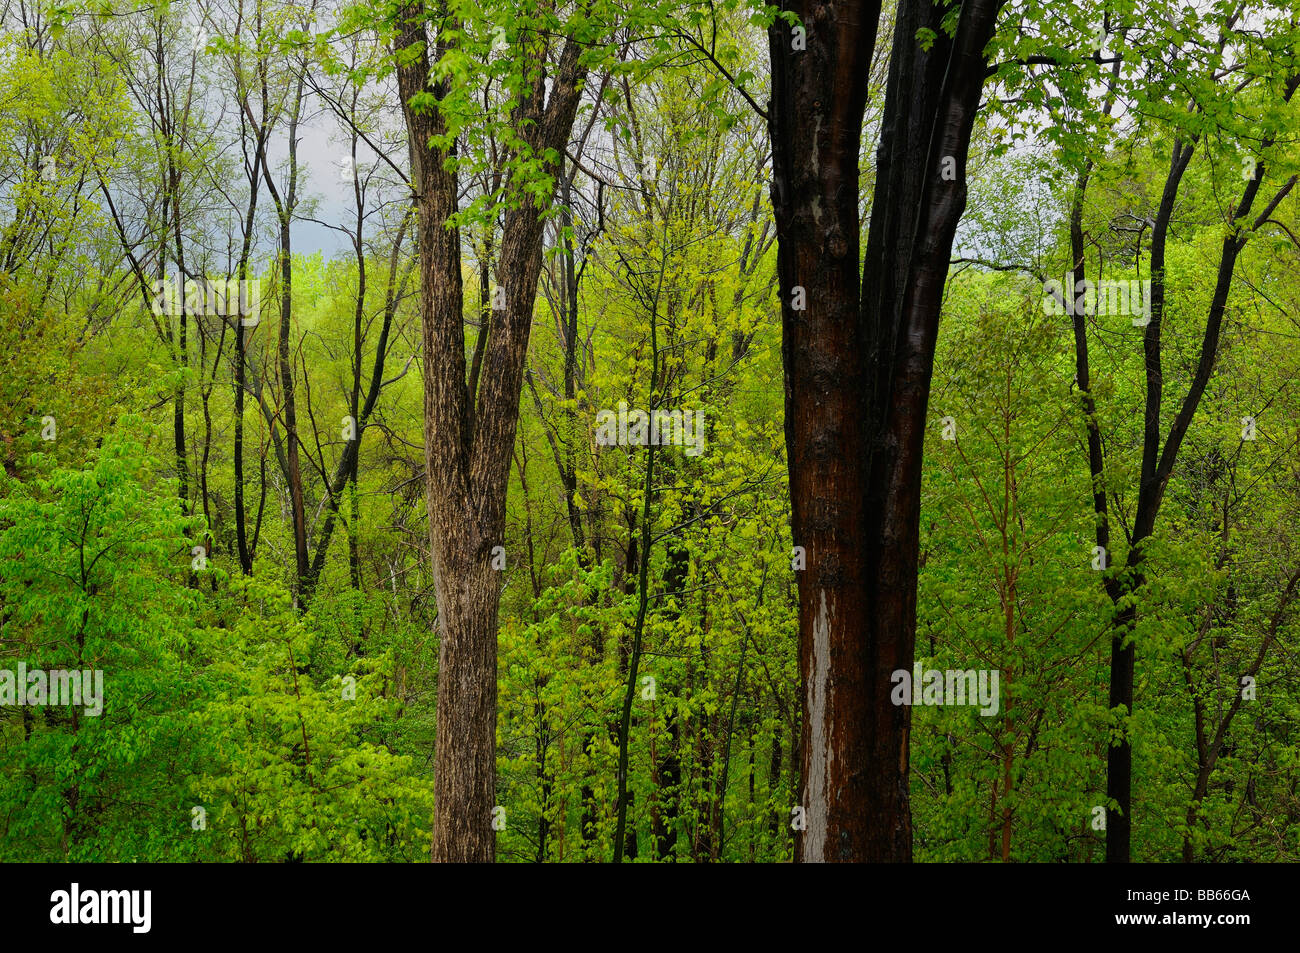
858	351
1199	97
469	435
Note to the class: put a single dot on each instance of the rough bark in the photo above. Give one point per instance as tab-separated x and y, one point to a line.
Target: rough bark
468	441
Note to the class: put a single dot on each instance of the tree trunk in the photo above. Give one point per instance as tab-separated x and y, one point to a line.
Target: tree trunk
241	531
858	359
467	591
469	437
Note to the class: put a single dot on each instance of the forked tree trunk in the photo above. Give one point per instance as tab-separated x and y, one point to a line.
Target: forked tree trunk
469	437
858	359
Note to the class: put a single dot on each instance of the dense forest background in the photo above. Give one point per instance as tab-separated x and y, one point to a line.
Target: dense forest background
226	509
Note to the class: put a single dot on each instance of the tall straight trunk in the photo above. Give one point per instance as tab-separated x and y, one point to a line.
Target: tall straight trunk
858	360
182	356
241	530
178	416
638	629
1118	768
242	329
173	120
775	821
289	390
815	200
284	209
182	348
354	405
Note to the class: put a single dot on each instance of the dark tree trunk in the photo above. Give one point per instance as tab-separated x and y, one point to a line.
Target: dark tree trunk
241	531
178	416
293	472
284	208
1159	449
858	360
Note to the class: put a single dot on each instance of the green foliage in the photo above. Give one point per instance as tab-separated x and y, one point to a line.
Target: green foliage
249	717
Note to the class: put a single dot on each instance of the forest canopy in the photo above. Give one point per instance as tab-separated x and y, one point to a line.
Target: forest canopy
557	431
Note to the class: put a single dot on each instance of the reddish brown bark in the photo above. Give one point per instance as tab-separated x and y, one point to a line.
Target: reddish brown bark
858	362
